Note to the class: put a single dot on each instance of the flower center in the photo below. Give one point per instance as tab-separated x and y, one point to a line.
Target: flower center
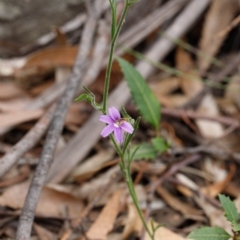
119	122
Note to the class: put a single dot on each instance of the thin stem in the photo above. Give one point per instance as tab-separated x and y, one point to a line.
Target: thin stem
132	192
110	60
116	146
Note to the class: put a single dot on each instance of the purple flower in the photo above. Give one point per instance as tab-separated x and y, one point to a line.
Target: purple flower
116	124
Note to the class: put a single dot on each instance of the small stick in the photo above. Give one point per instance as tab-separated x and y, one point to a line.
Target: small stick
56	126
233	24
26	143
194	115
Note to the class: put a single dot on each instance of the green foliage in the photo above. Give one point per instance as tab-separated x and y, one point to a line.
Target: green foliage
209	233
143	96
89	97
145	151
149	151
230	210
160	144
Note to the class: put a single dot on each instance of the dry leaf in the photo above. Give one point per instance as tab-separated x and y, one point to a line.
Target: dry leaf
173	101
88	188
10	90
215	215
187	210
51	203
218	18
133	224
14	118
91	166
15	104
191	83
164	233
105	221
43	233
214	189
165	86
208	128
52	57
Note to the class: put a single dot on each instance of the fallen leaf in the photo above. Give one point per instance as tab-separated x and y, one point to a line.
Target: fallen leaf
165	86
14	118
191	83
51	202
43	233
208	128
219	16
164	233
187	210
214	189
15	104
105	221
52	56
92	165
133	224
10	90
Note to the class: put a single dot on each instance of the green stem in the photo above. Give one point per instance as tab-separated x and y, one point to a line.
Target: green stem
110	60
116	146
132	192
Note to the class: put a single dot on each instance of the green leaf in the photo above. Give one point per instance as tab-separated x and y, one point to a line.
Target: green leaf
143	96
236	227
89	97
209	233
229	208
82	97
160	144
145	151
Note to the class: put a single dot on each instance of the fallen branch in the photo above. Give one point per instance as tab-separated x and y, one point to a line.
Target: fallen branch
27	214
26	143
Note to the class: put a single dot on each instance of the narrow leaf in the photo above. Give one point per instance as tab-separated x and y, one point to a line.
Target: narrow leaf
209	233
82	97
160	144
229	208
144	151
143	96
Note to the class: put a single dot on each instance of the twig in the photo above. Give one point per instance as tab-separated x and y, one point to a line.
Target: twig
228	69
225	31
194	115
206	149
148	24
26	143
89	134
37	132
27	214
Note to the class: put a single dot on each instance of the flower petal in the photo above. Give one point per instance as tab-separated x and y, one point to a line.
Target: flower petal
106	119
127	127
107	130
118	134
114	113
